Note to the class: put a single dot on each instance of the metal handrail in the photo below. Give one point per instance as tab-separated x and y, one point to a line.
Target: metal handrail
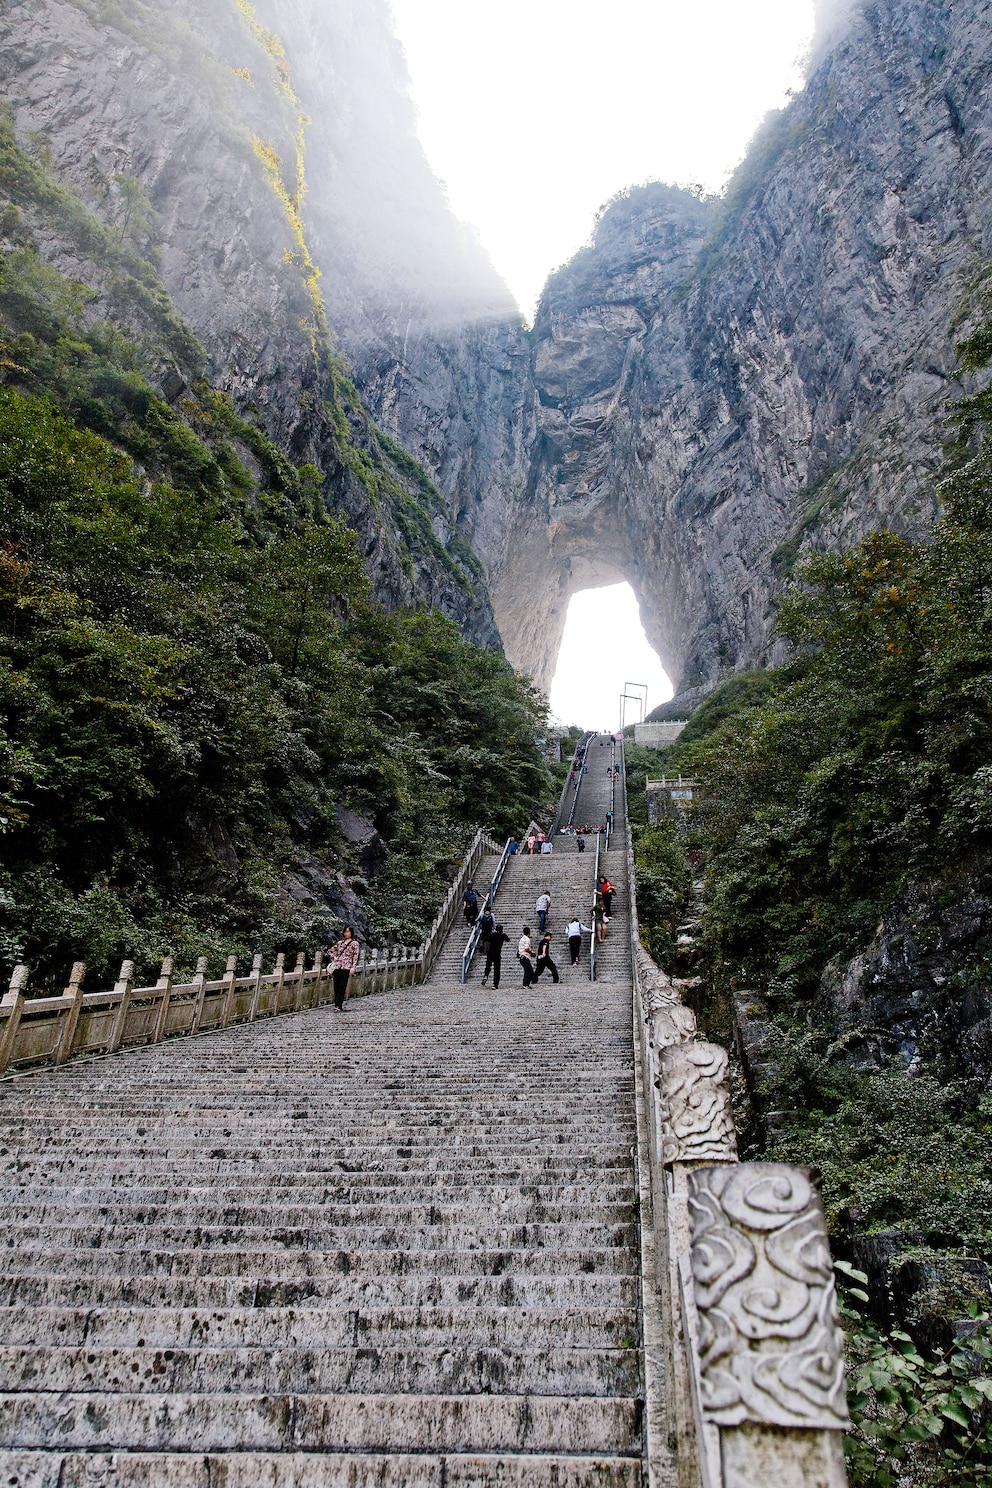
595	896
582	744
473	942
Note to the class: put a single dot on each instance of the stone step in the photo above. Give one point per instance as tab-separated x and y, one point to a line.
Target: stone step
448	1187
469	1368
69	1292
295	1265
177	1327
230	1422
492	1236
314	1470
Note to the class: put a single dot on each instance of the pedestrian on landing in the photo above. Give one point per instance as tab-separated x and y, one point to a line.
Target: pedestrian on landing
342	960
525	955
609	820
607	890
494	955
470	900
581	842
530	844
542	906
514	847
575	932
544	961
547	847
486	924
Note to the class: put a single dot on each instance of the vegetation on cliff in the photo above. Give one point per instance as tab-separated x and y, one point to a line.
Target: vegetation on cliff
847	812
193	672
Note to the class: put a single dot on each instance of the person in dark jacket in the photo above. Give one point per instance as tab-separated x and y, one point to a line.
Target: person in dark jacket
544	961
470	901
494	952
486	923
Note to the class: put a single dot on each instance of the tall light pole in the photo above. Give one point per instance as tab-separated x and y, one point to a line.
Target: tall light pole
637	693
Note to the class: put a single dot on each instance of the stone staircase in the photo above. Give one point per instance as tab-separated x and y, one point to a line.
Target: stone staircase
398	1246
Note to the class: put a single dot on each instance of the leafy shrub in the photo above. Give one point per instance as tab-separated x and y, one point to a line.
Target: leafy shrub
916	1420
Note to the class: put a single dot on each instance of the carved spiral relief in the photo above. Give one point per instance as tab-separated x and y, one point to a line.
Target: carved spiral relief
696	1119
671	1024
770	1344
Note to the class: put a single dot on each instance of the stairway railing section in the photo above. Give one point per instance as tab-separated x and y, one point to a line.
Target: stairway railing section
592	920
38	1031
578	763
473	944
755	1352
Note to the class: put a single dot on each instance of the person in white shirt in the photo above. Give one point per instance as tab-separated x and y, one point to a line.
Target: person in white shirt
525	955
542	906
575	932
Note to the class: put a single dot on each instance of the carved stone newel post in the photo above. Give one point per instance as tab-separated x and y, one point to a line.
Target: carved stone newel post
770	1369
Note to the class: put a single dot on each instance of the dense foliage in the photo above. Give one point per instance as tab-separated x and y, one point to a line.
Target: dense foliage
193	675
850	785
182	711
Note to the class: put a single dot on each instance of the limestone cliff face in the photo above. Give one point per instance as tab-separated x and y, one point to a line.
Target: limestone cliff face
709	388
201	110
722	383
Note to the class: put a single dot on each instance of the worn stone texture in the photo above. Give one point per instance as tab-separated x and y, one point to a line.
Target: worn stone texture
175	97
720	383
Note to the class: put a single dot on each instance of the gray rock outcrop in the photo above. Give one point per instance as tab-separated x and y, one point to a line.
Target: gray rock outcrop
723	384
201	115
711	387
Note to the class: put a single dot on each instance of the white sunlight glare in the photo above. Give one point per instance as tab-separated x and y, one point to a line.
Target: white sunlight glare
535	112
603	647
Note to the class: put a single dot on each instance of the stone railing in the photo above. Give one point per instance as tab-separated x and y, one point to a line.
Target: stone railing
756	1393
51	1030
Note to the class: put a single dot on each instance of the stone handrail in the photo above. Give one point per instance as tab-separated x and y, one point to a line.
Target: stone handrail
51	1030
755	1351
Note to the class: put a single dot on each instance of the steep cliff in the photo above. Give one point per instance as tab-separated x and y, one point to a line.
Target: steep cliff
722	384
183	133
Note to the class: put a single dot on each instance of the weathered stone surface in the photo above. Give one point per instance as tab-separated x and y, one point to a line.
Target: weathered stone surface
720	384
772	1350
696	1119
921	990
175	98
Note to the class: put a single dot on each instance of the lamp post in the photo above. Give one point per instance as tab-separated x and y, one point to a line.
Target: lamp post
633	692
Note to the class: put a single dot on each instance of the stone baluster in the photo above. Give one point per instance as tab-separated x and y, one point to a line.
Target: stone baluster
200	988
299	971
230	977
12	1006
74	995
280	975
122	989
164	989
318	980
256	989
770	1367
696	1126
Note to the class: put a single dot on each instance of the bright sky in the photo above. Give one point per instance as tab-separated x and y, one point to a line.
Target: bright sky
534	113
604	646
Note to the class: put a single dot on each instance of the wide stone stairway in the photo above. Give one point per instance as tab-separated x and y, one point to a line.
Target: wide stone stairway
397	1246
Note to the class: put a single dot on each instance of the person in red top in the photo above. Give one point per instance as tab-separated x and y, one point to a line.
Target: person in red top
607	890
342	961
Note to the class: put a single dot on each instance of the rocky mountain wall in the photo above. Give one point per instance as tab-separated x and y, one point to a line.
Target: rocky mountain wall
201	137
723	384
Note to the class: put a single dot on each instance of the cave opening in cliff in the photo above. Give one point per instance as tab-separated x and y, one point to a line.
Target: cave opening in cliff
603	646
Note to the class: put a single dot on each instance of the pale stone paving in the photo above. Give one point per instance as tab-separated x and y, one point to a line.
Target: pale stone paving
393	1246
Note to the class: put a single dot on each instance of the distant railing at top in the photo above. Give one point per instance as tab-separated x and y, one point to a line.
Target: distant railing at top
577	767
52	1030
742	1258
